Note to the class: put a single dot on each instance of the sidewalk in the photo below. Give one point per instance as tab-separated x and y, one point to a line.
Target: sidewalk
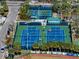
0	27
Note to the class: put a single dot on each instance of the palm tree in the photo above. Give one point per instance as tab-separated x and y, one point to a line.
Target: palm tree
35	46
66	8
50	45
56	6
8	41
60	44
66	46
27	1
23	14
53	45
75	48
4	9
44	47
77	11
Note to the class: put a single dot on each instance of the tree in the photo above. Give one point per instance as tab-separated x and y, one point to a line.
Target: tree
4	9
65	46
66	8
76	12
60	44
62	7
44	47
53	45
35	46
56	5
74	48
50	45
23	12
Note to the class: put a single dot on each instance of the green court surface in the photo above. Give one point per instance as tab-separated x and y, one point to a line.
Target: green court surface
43	33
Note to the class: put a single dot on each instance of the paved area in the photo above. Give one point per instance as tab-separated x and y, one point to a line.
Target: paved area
47	56
11	17
2	56
0	27
13	11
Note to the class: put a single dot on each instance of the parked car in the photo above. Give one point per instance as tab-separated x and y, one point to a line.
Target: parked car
2	50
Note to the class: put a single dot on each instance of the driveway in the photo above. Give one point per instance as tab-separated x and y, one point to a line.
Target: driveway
11	17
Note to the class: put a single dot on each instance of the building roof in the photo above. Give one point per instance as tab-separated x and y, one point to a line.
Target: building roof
40	3
54	19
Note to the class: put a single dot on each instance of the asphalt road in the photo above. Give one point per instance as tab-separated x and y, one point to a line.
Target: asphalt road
11	17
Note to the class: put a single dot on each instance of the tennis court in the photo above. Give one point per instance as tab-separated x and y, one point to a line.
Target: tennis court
58	33
28	34
40	12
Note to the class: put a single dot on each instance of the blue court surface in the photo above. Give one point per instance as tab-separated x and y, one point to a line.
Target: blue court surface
55	34
40	12
29	37
27	34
